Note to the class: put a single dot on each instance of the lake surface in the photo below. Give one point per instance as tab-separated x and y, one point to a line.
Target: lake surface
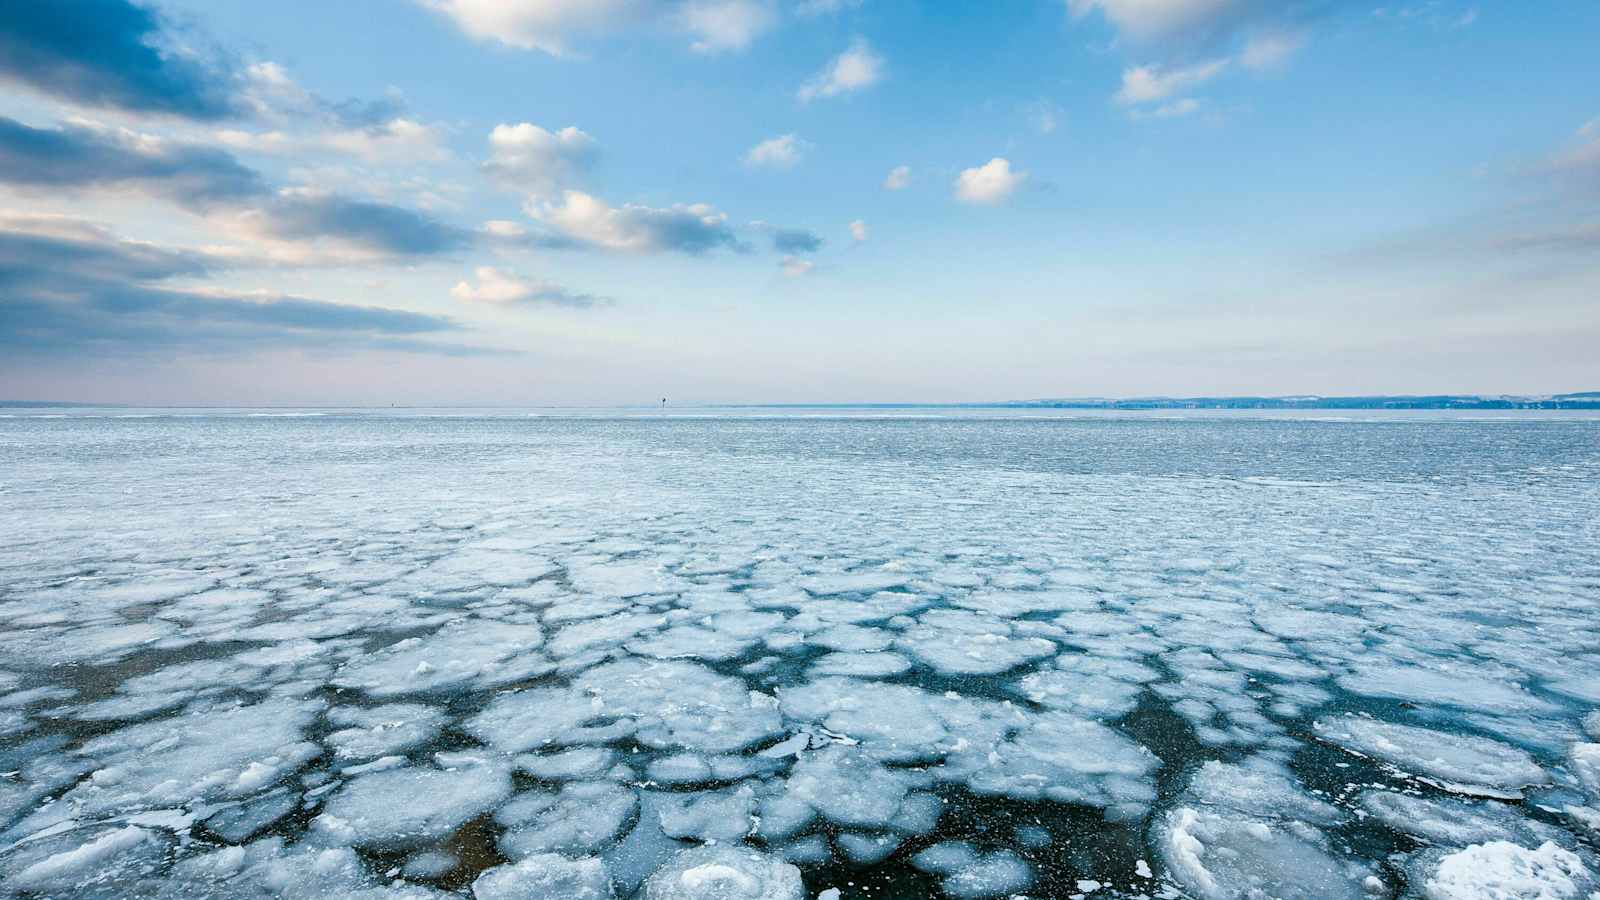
702	653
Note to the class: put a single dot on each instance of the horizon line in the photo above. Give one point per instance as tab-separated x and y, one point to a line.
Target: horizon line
1566	399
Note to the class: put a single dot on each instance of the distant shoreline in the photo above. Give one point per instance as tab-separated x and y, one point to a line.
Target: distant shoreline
1586	400
51	404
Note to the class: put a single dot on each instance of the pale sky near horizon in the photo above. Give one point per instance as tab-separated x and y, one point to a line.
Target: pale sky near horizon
606	201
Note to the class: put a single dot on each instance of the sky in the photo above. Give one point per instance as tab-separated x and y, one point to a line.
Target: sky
527	202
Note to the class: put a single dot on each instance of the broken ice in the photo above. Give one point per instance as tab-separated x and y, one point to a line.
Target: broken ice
365	655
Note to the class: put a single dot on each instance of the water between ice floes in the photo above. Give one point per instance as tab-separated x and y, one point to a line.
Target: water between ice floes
789	656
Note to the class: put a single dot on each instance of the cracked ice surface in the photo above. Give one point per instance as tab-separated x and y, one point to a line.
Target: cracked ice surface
727	656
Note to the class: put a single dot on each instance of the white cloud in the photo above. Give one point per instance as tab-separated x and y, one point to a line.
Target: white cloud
545	25
795	267
858	230
269	90
258	141
503	288
504	229
1271	49
1428	13
398	140
529	158
1147	20
315	226
586	220
899	179
782	152
989	183
1151	84
856	68
727	24
1257	34
272	76
551	26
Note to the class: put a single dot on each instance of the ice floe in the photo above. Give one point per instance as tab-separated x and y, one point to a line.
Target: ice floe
971	874
364	812
1461	763
724	873
366	733
543	876
582	817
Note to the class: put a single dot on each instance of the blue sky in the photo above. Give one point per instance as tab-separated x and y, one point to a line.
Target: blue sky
603	201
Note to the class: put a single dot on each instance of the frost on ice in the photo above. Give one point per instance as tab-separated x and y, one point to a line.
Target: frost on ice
737	658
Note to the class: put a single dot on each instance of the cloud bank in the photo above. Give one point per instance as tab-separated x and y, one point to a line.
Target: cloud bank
111	54
73	287
212	182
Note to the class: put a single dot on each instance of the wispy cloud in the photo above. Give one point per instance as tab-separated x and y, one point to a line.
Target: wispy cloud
1188	28
1151	84
782	152
1271	49
585	220
855	69
718	25
557	26
1182	44
795	267
1177	109
549	26
1153	20
1581	155
500	287
291	120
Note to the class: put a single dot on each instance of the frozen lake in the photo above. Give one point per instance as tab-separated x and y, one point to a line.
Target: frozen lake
778	653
